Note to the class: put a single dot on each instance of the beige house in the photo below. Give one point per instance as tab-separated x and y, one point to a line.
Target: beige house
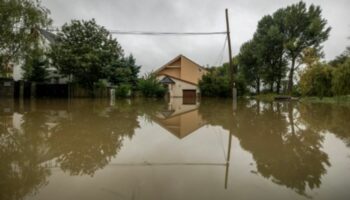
181	75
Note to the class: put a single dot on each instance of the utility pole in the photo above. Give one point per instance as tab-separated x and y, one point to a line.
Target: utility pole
234	96
232	70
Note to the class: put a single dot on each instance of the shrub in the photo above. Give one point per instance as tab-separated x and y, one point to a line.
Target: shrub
341	79
212	85
215	84
316	80
149	86
123	90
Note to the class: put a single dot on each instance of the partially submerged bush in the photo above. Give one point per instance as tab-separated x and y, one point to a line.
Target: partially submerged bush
341	79
212	85
149	86
316	80
123	90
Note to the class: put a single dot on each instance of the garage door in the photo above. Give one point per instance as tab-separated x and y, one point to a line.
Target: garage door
189	93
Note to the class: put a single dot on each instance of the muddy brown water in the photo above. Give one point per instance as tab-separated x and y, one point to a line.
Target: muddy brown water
147	149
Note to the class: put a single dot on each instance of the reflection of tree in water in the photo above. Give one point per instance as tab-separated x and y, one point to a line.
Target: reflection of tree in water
91	136
283	149
328	117
20	173
82	135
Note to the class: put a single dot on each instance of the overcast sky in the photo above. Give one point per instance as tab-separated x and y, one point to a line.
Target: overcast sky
196	15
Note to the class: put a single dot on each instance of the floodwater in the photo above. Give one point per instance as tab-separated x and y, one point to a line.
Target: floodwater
147	149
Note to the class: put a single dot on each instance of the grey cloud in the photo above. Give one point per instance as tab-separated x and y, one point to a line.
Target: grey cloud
195	15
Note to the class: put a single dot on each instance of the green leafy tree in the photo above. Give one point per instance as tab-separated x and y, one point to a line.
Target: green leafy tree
35	66
249	65
124	71
149	86
215	84
20	22
341	79
88	53
303	28
270	51
341	59
316	80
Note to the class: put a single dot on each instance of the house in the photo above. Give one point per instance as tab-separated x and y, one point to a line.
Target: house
47	38
181	76
180	118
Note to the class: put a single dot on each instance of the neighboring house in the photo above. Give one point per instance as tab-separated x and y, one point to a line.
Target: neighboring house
180	118
181	76
53	75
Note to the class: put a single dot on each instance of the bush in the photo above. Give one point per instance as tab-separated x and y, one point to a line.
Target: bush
149	86
123	90
316	80
341	79
214	86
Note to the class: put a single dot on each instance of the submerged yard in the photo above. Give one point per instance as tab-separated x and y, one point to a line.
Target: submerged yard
182	149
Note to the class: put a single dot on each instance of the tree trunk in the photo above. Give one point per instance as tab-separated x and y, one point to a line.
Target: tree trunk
258	86
271	87
291	75
278	89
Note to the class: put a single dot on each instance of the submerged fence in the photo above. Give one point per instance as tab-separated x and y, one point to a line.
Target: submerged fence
22	89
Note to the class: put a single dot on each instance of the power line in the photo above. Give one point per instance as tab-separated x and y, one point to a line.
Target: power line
221	54
121	32
164	33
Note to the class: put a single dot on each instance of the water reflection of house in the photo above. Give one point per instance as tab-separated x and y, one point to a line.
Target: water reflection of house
6	115
181	117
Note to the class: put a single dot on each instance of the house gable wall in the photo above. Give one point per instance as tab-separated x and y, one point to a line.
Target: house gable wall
190	71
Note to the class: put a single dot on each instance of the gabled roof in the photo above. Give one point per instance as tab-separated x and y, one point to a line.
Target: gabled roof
167	80
175	59
172	77
48	35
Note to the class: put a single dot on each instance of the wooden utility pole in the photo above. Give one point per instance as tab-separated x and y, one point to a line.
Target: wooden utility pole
234	96
232	70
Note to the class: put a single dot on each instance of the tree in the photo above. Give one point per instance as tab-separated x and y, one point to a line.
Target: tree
316	80
215	84
341	79
341	59
88	52
249	65
149	86
124	71
303	28
20	22
309	57
35	66
270	50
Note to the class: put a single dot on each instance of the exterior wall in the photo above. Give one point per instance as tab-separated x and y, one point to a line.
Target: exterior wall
175	90
184	120
189	122
177	105
175	72
190	71
176	63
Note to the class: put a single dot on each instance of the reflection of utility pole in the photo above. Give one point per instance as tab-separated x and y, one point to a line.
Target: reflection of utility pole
228	158
234	109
